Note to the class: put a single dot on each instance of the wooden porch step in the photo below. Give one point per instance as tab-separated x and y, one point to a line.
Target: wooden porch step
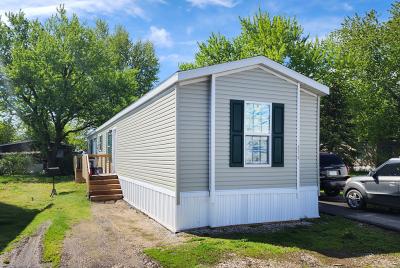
101	187
105	192
97	198
104	182
103	177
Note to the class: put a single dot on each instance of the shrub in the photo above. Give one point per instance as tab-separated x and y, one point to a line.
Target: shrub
16	164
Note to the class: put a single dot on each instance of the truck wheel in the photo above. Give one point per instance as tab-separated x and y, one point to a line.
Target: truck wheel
355	200
332	192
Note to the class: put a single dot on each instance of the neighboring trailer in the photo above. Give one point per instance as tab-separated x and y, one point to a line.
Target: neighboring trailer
233	143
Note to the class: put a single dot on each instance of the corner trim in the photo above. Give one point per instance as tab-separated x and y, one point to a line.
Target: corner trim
298	142
212	140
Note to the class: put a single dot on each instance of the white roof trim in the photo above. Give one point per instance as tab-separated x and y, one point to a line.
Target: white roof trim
215	69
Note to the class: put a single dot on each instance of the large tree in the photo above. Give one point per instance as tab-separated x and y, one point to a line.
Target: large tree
370	47
62	76
279	38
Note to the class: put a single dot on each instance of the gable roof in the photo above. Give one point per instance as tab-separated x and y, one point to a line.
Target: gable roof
305	82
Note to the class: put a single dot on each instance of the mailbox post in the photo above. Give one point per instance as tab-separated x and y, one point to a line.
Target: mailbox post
53	171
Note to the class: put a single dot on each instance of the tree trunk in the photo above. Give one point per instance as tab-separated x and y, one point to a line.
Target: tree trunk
52	159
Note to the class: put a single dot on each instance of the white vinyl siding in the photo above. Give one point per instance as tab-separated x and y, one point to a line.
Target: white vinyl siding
193	127
308	140
254	84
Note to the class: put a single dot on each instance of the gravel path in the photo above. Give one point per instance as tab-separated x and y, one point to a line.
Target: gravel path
114	237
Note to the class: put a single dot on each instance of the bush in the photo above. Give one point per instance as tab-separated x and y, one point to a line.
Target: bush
16	164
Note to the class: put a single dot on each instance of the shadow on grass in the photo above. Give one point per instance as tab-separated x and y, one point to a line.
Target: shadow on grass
332	236
34	179
13	221
66	192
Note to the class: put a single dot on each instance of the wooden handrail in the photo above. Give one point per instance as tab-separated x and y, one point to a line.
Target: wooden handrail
102	161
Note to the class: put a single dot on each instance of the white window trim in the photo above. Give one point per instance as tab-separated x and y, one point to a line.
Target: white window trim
245	133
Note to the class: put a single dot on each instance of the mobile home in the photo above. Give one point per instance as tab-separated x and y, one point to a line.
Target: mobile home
232	143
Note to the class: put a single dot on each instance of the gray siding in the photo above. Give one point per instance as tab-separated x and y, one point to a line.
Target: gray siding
145	142
254	85
308	140
193	129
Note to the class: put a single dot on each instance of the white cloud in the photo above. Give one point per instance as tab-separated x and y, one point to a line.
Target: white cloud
160	37
347	7
204	3
34	8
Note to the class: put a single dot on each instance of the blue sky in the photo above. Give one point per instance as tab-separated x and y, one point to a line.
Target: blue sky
176	26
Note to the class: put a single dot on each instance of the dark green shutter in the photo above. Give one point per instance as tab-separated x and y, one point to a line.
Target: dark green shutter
278	129
236	133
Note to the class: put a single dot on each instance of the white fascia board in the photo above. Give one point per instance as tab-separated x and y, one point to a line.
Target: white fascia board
152	93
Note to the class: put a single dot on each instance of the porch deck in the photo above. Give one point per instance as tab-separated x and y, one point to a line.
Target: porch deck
96	171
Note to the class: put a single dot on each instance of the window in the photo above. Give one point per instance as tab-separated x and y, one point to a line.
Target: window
389	170
91	142
109	142
327	159
101	143
94	146
257	132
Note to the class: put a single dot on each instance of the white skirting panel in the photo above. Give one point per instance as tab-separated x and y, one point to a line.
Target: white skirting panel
309	202
193	210
230	207
245	207
157	202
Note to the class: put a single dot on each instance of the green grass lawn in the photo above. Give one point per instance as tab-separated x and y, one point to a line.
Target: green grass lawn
328	236
25	204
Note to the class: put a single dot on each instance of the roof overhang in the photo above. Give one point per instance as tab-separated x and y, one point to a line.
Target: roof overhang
305	82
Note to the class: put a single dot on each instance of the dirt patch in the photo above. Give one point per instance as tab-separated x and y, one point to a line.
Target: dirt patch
115	236
292	260
28	252
306	259
248	228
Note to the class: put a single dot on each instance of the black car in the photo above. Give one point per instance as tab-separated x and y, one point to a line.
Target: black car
380	187
333	173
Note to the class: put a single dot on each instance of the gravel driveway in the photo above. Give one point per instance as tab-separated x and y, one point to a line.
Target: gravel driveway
114	237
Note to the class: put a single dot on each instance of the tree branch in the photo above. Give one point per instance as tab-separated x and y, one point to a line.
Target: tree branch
76	130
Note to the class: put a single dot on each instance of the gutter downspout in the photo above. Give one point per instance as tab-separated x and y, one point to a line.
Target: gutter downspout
212	152
298	142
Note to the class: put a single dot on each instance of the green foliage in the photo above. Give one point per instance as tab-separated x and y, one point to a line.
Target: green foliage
325	237
26	204
368	70
16	164
144	59
7	132
64	74
278	38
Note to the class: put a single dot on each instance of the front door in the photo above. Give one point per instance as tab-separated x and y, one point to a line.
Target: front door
114	149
